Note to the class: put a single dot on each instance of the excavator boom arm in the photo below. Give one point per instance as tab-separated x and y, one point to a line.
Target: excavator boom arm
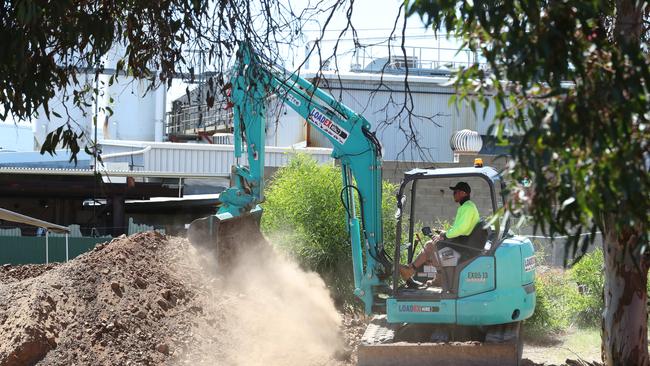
357	149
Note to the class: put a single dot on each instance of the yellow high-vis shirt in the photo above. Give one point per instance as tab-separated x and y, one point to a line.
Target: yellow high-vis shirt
467	217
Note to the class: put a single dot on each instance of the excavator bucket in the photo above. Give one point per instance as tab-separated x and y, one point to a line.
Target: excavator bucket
227	238
389	344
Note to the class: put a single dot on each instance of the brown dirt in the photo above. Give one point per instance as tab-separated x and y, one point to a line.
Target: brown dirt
153	300
149	300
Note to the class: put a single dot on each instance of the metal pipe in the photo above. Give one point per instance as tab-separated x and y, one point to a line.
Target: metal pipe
127	153
159	114
96	120
412	221
47	246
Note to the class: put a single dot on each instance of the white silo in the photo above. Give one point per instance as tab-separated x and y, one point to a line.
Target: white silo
16	136
79	118
137	113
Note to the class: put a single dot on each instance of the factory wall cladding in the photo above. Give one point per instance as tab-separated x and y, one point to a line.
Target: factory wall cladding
196	158
434	119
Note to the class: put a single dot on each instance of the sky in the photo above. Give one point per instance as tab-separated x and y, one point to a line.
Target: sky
373	20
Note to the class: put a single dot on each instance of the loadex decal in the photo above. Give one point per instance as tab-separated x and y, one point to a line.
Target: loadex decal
418	309
321	121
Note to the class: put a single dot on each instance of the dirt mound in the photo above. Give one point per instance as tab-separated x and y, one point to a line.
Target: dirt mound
526	362
9	273
146	299
117	304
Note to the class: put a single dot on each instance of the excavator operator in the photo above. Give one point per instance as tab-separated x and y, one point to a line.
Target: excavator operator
467	217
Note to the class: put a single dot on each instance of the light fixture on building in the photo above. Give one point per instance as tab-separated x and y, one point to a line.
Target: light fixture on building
465	142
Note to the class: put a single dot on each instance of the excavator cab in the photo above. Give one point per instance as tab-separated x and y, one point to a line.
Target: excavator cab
472	313
456	252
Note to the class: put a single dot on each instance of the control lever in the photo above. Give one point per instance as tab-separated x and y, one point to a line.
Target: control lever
428	232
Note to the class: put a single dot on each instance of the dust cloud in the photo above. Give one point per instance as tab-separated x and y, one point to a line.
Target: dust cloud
264	311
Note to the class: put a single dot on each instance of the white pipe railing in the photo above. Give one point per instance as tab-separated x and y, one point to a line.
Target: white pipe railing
47	246
126	153
67	254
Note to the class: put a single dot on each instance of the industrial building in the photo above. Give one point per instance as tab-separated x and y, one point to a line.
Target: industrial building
161	166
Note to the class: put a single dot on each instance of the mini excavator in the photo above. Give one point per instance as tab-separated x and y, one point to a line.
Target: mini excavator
471	317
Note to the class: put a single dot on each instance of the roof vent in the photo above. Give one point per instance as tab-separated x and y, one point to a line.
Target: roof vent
465	142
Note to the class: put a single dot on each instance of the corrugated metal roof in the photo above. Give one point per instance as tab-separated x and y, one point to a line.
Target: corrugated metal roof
24	219
487	172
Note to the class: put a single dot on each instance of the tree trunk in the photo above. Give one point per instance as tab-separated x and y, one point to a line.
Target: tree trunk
629	21
625	319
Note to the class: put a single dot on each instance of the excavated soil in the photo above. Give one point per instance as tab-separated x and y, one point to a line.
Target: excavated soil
148	299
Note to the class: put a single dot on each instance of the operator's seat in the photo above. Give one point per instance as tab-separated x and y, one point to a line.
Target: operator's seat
475	241
461	249
469	246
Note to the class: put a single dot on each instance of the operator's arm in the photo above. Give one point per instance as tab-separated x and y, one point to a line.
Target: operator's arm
467	217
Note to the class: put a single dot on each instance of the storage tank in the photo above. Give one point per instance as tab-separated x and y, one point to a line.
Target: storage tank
137	113
16	136
79	118
284	127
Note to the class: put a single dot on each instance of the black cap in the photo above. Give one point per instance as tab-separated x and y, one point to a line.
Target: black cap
461	186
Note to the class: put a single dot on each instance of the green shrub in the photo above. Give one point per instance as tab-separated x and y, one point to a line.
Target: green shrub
588	274
571	297
553	312
553	293
304	217
588	304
